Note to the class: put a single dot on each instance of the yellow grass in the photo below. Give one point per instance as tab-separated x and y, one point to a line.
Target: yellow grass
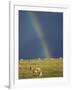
50	67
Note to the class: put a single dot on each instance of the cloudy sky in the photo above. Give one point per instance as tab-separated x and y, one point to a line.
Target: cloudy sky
40	34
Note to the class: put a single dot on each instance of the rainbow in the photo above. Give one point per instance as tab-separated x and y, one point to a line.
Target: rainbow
38	30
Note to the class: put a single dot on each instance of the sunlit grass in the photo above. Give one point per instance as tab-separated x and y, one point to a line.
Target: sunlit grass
50	67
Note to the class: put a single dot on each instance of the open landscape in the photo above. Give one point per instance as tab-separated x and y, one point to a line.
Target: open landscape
40	44
40	68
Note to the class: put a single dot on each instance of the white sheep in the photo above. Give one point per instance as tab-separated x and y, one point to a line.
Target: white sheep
36	70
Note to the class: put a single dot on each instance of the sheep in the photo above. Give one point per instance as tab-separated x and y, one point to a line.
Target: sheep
36	70
31	68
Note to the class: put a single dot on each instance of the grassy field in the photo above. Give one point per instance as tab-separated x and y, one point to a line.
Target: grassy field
49	67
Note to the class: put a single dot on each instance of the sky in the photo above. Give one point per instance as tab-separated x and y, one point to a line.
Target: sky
40	34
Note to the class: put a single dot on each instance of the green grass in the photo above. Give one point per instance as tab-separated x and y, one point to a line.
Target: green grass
50	67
